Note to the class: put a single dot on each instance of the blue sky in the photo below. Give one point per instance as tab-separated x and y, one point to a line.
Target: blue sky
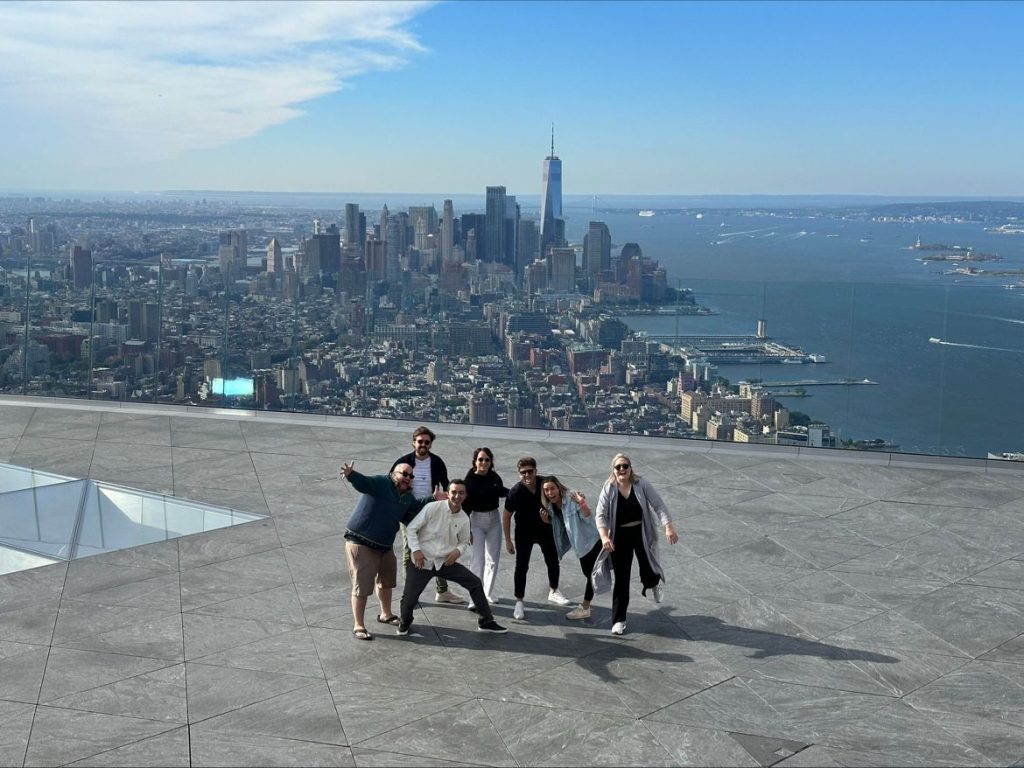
919	98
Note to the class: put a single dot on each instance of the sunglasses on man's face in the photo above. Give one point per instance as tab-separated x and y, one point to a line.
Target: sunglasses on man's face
406	475
423	442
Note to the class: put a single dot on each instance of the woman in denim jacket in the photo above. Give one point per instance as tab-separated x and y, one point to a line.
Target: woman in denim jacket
573	528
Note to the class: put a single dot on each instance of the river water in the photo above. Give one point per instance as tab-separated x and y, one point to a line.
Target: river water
854	291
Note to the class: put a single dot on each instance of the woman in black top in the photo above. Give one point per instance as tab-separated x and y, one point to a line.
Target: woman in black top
484	488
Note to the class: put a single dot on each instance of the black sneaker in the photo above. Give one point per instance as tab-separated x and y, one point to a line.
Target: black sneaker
403	627
491	626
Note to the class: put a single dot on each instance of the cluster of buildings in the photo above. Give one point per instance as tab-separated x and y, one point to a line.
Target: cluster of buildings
484	317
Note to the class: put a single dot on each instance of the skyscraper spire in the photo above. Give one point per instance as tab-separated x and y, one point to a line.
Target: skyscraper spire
552	140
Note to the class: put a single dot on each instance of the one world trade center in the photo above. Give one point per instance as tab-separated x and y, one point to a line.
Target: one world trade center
552	226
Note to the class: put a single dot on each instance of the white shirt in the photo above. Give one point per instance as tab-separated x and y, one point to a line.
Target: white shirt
436	530
421	481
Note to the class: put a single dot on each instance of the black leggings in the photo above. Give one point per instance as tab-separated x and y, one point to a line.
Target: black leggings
525	539
587	564
629	541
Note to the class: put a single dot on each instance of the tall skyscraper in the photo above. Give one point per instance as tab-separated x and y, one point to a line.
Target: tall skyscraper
81	266
355	229
551	233
526	245
494	234
477	223
274	264
511	230
597	252
562	270
234	248
323	250
447	231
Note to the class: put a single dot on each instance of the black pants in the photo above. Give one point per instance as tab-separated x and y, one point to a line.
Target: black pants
587	564
629	541
525	539
416	580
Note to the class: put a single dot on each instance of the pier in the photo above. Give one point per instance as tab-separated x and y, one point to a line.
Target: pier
818	383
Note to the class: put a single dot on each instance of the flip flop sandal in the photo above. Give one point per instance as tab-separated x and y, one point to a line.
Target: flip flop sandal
392	620
361	634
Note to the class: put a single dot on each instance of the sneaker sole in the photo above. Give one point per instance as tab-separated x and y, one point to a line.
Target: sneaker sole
492	631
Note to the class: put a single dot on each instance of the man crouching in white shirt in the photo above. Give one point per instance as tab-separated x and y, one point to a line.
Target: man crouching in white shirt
438	537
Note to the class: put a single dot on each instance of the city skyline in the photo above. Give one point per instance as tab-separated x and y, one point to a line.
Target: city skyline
900	99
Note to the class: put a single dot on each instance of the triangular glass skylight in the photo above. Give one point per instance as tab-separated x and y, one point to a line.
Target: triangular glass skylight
47	518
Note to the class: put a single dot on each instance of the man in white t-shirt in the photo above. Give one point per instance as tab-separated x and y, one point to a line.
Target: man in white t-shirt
439	538
429	472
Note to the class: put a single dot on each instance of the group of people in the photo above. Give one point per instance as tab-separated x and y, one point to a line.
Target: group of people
445	522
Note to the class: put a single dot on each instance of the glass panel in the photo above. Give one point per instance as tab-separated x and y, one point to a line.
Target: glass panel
117	518
18	478
12	560
41	520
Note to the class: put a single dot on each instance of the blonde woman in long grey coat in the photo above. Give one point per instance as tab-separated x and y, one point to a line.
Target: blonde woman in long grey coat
629	512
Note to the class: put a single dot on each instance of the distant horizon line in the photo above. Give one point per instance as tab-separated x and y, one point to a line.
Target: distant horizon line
18	191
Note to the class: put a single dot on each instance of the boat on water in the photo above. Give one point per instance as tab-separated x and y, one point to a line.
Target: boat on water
1007	456
934	340
792	360
646	214
700	215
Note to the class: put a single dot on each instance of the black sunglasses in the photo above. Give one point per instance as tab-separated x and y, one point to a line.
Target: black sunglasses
406	475
621	467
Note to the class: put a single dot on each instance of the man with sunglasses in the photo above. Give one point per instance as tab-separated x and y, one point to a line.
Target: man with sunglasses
524	502
430	473
387	502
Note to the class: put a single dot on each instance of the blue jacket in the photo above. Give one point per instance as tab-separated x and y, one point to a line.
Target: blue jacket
571	529
380	509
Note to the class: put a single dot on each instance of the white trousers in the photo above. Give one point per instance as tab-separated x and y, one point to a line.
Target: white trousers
486	530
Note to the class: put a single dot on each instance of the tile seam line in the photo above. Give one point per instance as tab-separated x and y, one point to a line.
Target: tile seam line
128	744
311	682
504	742
465	700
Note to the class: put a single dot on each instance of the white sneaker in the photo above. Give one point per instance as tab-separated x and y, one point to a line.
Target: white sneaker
579	612
493	600
619	628
448	597
520	611
556	597
657	594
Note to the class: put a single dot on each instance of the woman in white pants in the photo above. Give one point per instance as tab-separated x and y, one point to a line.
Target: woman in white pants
484	487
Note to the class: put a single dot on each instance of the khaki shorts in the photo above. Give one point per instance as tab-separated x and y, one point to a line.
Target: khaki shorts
368	566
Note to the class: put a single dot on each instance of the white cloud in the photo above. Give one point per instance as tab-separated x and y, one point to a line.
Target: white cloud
151	80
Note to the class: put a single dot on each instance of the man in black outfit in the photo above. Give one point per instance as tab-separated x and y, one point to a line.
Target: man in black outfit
524	502
429	472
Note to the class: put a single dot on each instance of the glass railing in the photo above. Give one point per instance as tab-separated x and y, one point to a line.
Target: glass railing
928	367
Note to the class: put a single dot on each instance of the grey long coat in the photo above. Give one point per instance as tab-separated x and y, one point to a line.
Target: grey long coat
653	507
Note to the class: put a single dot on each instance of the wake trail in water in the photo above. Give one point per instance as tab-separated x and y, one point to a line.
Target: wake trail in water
993	317
978	346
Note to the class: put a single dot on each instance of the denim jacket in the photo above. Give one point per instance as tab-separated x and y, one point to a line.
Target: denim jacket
571	529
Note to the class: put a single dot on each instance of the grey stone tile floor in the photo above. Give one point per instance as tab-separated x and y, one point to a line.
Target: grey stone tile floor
837	611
